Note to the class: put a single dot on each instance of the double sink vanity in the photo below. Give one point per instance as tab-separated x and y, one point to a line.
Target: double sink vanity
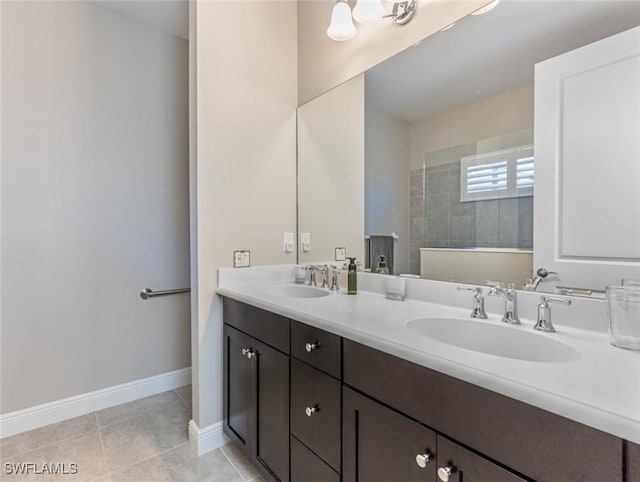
323	386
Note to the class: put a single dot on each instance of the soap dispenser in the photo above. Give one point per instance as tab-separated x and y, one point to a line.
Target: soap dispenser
382	265
352	277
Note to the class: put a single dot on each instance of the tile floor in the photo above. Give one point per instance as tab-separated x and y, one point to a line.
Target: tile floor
145	440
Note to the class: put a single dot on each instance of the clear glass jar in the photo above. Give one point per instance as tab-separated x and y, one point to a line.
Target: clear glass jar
624	316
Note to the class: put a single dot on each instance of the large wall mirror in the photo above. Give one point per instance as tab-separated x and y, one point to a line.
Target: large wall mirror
430	158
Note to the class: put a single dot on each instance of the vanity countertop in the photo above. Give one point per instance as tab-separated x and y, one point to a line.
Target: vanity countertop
601	389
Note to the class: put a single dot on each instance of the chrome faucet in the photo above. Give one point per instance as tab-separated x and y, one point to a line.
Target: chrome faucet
510	296
544	313
335	274
312	275
478	302
325	276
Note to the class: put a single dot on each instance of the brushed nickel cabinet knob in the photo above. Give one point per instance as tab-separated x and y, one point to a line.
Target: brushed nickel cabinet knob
311	410
311	346
445	472
423	459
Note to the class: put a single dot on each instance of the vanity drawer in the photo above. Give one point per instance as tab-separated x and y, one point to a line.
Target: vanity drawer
263	325
308	467
466	465
315	411
317	347
467	413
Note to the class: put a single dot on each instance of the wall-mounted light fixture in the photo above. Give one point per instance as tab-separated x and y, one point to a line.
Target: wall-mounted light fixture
366	11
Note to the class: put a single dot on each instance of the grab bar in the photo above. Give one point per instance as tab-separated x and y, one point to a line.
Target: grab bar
147	293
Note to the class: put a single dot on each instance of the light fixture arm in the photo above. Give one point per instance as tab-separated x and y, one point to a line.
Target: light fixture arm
403	12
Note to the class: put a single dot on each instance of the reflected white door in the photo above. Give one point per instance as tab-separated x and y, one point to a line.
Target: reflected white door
587	144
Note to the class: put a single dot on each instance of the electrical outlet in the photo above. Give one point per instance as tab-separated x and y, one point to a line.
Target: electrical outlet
241	259
287	241
305	241
341	254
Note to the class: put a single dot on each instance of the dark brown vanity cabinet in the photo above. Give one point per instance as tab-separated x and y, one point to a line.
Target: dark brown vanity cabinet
309	406
256	393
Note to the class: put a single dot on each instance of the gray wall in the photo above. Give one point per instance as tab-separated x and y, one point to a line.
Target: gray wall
94	201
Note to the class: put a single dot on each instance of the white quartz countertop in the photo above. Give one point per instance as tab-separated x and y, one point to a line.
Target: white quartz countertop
601	389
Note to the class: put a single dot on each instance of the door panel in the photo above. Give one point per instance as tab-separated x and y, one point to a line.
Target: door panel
586	205
380	445
271	447
238	393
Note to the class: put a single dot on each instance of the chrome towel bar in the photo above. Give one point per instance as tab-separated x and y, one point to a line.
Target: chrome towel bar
147	293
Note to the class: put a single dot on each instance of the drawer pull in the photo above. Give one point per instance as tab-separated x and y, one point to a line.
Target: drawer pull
445	472
249	353
311	410
311	346
422	459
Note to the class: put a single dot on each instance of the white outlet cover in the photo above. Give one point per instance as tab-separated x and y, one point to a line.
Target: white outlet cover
241	259
305	241
287	242
341	254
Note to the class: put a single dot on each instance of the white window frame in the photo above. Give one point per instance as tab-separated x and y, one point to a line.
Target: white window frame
500	190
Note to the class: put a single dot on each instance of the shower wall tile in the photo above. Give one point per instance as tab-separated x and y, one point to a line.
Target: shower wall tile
416	229
437	232
508	207
488	208
509	231
462	229
456	208
416	207
438	181
437	205
525	207
525	232
416	183
487	230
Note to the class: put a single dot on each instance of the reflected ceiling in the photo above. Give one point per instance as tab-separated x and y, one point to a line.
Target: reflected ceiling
488	54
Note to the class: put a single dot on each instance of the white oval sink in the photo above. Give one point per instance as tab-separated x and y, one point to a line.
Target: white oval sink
499	340
294	291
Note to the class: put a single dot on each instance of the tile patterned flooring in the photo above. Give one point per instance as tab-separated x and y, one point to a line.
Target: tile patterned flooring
145	440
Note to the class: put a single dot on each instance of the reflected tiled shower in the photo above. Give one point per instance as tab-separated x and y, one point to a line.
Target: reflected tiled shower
439	220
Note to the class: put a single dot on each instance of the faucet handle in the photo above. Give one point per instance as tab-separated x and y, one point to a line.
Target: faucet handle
477	289
496	284
544	313
335	276
545	300
478	307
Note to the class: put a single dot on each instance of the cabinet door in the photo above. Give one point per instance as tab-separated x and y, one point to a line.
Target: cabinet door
271	401
237	388
380	445
456	464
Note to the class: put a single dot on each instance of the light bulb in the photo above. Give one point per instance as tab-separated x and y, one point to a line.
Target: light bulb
486	8
368	11
341	26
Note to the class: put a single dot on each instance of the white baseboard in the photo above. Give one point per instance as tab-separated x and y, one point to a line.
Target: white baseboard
35	417
203	440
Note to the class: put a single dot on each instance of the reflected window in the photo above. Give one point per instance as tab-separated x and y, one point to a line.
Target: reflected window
507	173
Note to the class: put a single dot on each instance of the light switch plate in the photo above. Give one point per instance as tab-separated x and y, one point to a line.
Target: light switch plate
341	254
305	241
287	242
241	259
